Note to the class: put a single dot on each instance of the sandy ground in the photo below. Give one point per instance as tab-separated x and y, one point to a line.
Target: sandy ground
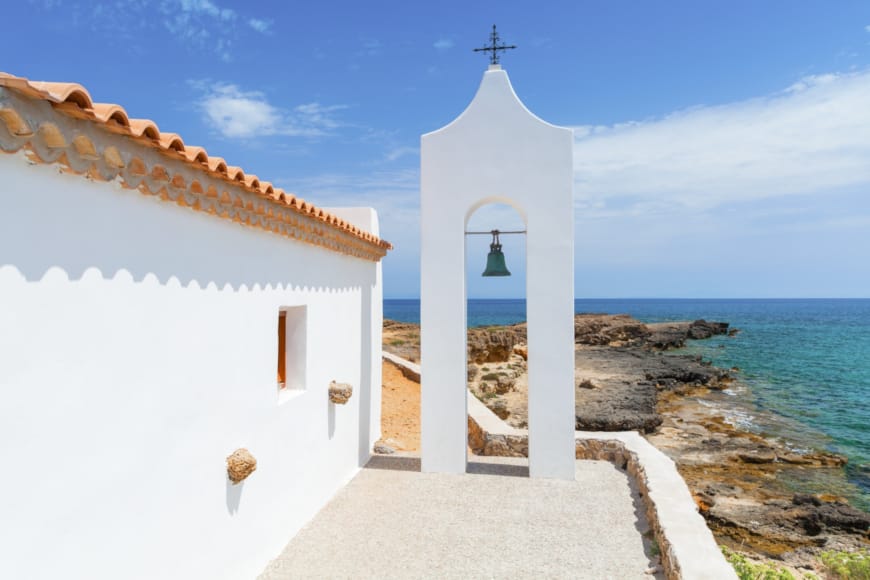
400	410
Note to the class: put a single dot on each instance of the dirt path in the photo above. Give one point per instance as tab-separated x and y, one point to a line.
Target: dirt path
400	410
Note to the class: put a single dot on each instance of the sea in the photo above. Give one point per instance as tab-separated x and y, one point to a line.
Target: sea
803	364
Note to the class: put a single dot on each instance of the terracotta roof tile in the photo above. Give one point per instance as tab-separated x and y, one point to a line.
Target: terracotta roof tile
65	93
236	173
106	113
171	141
144	128
74	100
217	164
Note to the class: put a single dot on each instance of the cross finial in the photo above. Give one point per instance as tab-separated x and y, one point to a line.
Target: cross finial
494	47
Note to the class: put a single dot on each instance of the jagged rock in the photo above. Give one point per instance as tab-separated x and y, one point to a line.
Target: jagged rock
586	384
619	421
818	459
339	393
760	455
606	329
476	437
817	515
500	408
701	329
489	345
628	382
504	384
522	350
669	335
496	445
472	370
487	387
382	448
240	464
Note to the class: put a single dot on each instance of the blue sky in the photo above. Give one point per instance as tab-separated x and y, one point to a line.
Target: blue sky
722	148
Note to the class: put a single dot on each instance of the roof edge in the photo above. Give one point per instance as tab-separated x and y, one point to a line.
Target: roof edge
54	142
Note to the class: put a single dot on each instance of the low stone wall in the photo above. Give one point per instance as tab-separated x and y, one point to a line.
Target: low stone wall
615	452
410	370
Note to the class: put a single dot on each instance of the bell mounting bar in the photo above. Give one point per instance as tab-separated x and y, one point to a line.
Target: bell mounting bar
490	232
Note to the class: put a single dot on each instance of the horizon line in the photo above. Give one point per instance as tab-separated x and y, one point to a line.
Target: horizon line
671	298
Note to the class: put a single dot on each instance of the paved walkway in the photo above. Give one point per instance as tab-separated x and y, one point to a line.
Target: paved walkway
392	521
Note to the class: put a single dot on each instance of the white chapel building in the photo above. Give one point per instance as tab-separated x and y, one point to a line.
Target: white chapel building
160	310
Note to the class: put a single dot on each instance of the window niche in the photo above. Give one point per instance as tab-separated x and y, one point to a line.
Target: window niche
292	339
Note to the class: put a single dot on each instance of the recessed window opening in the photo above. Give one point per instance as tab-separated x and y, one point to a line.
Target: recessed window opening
292	342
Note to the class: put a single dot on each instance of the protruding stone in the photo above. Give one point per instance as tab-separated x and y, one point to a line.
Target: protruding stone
382	448
586	384
500	408
240	465
505	384
339	393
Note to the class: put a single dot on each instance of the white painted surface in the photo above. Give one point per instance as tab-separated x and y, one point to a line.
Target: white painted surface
497	151
138	349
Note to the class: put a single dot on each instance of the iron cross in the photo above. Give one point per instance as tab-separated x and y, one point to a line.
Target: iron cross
495	47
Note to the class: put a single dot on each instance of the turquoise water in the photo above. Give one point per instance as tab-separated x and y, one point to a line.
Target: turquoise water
807	361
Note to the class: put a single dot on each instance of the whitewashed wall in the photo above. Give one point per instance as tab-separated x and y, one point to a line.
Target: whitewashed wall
137	350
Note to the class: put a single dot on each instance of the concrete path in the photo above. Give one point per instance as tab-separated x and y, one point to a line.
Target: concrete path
392	521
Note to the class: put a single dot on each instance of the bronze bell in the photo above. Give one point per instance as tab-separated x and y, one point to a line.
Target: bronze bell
495	265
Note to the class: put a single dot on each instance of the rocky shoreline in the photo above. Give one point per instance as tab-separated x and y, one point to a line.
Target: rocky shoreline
750	488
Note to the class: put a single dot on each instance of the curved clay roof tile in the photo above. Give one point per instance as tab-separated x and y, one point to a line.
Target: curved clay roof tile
235	173
217	164
252	181
65	93
197	154
106	112
172	141
144	127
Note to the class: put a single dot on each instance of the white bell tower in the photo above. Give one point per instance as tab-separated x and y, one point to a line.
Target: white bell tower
497	151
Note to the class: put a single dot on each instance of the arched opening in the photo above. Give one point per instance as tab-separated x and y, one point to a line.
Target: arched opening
495	315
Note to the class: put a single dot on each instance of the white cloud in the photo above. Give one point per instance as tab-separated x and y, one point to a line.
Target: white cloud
811	81
242	114
398	152
370	47
207	8
262	26
317	115
867	28
201	23
812	138
444	43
